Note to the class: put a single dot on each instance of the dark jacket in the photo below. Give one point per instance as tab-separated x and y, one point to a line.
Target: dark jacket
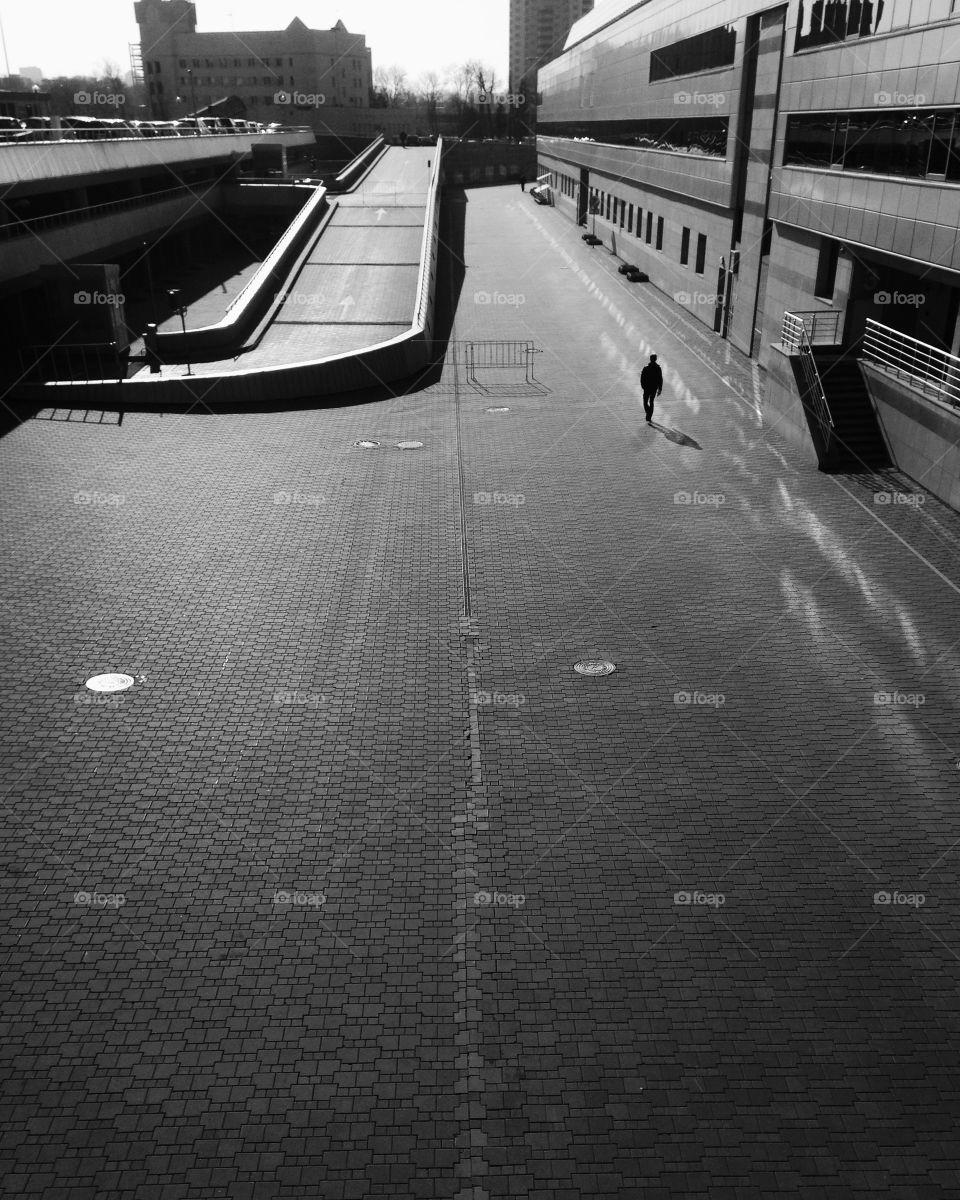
651	378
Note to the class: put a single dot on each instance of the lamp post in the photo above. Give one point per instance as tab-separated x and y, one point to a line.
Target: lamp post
193	95
173	295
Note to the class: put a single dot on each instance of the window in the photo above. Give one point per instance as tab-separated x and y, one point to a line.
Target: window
649	236
705	52
906	142
701	253
687	135
630	220
826	269
820	24
609	198
639	221
684	247
659	233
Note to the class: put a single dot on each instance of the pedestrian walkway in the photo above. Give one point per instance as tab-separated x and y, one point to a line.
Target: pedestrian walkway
362	891
358	285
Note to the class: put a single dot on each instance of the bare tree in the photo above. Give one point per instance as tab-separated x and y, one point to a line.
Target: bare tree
429	90
396	85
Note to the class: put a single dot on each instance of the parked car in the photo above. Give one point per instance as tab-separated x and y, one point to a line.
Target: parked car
8	127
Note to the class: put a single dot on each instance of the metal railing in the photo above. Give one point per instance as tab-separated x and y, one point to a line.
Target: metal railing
924	367
822	329
796	341
20	227
60	364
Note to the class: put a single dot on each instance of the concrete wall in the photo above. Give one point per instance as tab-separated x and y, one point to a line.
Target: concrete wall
25	256
57	162
923	434
783	414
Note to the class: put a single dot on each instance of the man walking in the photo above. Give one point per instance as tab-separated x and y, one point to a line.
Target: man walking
651	380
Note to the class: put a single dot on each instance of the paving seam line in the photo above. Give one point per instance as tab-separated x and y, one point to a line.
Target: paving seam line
468	823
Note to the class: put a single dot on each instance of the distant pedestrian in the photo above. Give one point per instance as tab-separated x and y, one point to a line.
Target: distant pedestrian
651	380
523	183
403	138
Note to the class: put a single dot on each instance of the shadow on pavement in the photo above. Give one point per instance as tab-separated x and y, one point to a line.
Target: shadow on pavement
674	435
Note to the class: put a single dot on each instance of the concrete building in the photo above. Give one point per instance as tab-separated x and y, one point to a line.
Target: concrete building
288	75
538	30
760	161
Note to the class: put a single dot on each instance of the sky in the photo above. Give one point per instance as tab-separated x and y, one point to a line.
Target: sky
73	37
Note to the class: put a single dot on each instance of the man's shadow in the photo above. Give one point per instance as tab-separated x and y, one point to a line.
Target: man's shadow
674	435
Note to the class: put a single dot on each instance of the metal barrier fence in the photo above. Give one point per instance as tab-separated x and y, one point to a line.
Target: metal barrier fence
924	367
821	328
496	355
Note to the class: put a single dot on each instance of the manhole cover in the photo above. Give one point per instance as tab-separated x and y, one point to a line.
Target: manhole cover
409	445
498	410
367	444
594	666
109	683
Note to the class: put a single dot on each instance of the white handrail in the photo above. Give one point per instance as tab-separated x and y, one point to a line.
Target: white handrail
925	367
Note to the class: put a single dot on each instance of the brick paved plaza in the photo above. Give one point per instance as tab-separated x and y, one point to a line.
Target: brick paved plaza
361	891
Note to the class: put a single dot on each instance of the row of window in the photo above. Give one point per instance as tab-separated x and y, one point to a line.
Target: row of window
690	135
235	62
704	52
895	142
632	219
275	81
227	63
823	22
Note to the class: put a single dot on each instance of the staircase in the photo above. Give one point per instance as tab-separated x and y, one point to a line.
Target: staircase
856	442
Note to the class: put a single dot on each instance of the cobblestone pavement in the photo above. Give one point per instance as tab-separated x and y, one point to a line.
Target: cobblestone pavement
361	891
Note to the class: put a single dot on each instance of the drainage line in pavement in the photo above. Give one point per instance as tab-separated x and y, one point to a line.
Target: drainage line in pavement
469	824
